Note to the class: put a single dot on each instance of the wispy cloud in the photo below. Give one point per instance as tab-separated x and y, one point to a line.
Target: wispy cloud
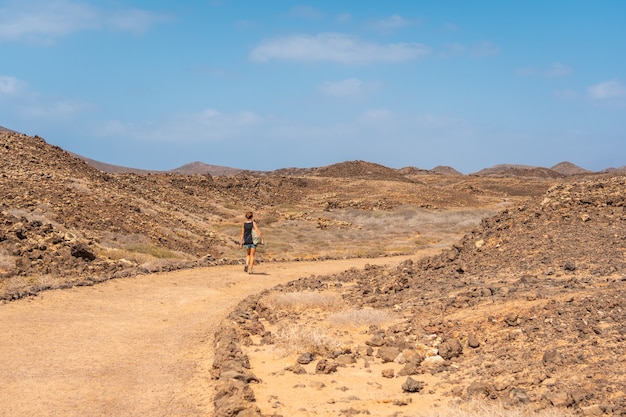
391	23
607	90
59	110
477	50
555	70
18	100
485	48
335	47
344	18
45	21
202	126
348	88
10	85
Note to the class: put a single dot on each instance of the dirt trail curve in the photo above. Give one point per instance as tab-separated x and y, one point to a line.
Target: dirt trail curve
140	346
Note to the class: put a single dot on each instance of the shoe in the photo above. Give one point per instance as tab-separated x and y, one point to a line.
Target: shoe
245	268
250	272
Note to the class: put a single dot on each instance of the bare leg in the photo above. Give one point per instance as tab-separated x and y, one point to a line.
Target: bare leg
247	261
251	252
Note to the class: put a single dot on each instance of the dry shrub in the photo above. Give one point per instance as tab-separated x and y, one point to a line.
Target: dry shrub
294	338
154	251
485	408
304	300
360	317
119	254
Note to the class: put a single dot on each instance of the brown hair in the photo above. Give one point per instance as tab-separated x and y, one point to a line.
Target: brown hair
249	215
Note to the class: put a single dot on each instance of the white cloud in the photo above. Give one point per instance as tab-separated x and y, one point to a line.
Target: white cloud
206	125
391	23
451	27
557	70
607	90
133	20
29	105
377	118
477	50
335	47
485	48
350	87
433	121
63	110
10	85
344	18
44	21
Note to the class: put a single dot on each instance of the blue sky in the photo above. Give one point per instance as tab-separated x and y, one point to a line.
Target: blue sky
277	84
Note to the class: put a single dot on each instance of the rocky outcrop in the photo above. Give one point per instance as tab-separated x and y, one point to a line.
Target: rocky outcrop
542	286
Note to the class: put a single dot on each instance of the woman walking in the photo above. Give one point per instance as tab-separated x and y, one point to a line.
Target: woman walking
249	240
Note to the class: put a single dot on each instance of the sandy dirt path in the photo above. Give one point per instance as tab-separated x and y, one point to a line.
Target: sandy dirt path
138	346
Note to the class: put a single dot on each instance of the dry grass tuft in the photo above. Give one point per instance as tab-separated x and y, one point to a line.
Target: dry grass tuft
359	318
484	408
294	339
304	300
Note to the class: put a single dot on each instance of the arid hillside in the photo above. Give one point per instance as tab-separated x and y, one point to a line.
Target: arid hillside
65	222
527	310
523	304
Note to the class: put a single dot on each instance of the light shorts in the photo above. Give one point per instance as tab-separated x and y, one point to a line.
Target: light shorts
250	246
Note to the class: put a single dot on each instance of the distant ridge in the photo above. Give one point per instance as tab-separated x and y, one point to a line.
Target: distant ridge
620	170
446	170
202	168
188	169
516	170
359	169
412	171
567	168
111	169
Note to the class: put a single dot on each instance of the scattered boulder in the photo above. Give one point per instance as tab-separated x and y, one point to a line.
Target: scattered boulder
411	385
325	366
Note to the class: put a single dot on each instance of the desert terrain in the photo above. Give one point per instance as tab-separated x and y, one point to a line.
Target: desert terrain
380	291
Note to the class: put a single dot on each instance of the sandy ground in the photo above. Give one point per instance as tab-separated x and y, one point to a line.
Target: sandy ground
129	347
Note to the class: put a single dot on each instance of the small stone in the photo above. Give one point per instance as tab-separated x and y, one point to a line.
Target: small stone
472	341
296	369
593	410
375	341
411	385
305	359
325	366
388	353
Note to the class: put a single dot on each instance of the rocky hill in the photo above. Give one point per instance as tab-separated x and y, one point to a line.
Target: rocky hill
74	220
527	309
506	170
567	168
61	217
359	170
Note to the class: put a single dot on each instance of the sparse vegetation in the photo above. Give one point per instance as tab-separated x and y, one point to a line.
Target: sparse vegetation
359	317
292	339
485	408
304	300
